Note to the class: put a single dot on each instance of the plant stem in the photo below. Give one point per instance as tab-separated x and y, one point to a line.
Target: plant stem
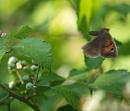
37	75
9	106
19	76
3	99
20	98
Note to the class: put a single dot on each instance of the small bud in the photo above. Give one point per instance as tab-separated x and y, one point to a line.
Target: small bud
19	65
23	63
29	85
34	67
12	60
3	34
11	66
25	67
25	78
11	84
34	86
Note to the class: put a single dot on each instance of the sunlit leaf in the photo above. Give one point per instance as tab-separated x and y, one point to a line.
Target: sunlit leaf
112	82
86	13
70	92
70	96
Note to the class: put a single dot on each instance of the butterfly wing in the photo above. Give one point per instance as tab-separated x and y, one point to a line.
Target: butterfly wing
102	45
96	33
108	47
92	49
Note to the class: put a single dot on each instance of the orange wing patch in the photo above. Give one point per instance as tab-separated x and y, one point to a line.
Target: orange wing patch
109	49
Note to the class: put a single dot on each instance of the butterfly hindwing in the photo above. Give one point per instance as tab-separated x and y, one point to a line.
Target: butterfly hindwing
92	49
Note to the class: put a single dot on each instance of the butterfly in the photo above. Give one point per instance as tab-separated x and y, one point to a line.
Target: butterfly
102	45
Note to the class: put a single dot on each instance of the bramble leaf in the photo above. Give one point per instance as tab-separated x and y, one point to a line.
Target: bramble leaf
51	78
70	92
112	82
93	63
39	51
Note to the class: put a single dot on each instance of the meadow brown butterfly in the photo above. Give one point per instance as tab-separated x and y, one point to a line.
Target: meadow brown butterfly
102	45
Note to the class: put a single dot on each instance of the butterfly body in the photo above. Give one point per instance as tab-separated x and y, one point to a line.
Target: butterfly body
102	45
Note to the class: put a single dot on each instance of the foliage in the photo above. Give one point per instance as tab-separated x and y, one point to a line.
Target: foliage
112	82
29	74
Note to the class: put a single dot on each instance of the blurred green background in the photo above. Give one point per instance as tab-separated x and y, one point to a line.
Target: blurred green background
56	22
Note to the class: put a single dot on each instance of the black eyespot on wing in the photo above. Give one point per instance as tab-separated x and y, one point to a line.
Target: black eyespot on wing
112	49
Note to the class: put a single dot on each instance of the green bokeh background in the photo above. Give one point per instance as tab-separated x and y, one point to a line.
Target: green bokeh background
56	22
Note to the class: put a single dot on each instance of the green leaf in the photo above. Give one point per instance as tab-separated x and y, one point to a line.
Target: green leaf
37	50
83	27
50	78
74	72
77	75
112	82
41	89
79	88
3	46
3	50
86	77
49	104
86	12
23	32
71	92
70	96
121	8
4	73
93	63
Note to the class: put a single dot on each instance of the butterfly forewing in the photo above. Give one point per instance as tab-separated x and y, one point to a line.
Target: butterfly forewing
108	48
